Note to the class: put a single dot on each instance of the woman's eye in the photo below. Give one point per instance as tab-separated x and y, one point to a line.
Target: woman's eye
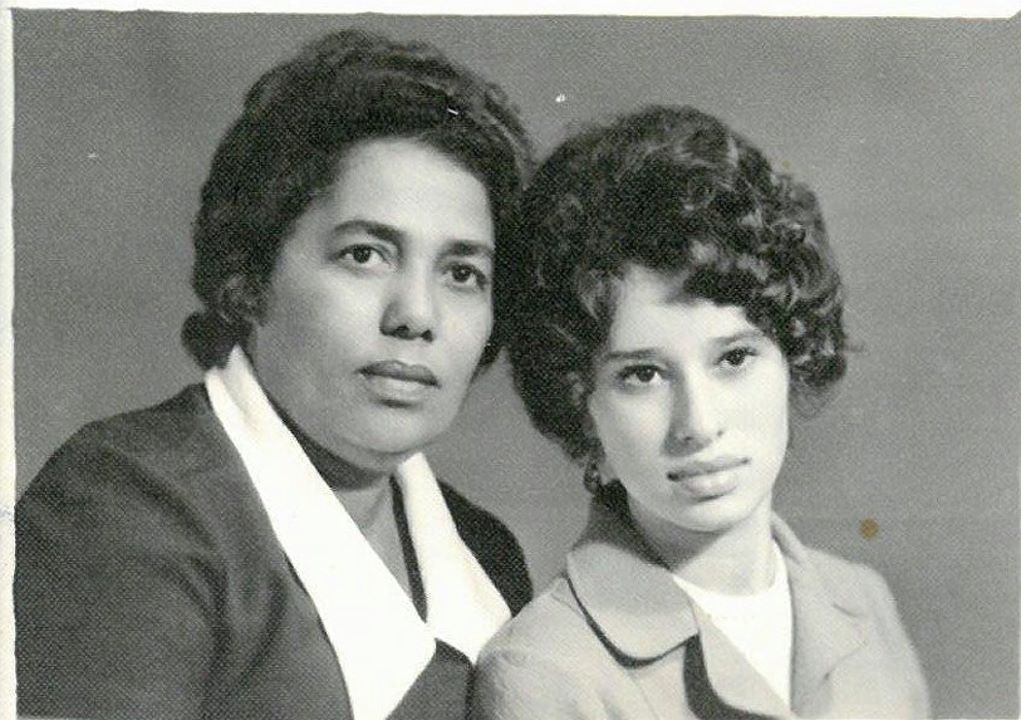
364	255
467	276
737	357
640	375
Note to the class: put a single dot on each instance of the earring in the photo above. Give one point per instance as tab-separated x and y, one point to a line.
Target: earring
593	479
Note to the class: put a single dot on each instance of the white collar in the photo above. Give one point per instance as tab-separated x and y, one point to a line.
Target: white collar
381	643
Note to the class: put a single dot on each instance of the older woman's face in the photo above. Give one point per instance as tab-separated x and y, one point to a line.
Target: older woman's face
690	404
379	304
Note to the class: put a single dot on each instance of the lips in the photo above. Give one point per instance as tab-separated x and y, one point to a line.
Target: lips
699	468
397	384
397	370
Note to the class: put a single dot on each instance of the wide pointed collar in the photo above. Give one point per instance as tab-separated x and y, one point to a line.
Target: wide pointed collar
642	614
381	643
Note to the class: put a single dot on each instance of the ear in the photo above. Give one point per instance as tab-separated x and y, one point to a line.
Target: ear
241	300
578	394
578	390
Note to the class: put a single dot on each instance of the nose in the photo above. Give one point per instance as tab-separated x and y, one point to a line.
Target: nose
695	421
410	312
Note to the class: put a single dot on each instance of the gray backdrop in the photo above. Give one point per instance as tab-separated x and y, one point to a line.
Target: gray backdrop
908	130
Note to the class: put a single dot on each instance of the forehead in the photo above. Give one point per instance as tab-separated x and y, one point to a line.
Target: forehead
413	187
652	309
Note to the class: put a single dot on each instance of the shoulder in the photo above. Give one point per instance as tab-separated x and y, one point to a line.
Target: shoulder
872	601
169	443
176	432
552	626
493	545
546	662
119	581
467	514
872	594
163	477
852	585
835	570
858	582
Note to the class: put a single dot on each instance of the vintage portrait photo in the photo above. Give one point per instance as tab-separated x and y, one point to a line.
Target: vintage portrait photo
515	366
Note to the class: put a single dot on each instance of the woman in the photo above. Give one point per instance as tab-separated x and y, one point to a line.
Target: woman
270	543
674	297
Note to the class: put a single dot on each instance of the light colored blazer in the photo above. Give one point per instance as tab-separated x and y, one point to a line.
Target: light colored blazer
616	638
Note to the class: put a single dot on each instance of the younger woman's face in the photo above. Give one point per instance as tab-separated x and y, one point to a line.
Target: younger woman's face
690	405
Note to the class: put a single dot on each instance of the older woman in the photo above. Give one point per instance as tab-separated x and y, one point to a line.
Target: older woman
270	543
675	295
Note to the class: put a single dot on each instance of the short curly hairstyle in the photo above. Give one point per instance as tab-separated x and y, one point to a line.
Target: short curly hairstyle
674	190
297	122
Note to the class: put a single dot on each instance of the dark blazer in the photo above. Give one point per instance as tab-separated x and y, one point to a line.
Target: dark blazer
617	638
149	584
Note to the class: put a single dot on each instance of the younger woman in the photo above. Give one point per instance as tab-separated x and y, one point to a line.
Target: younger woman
674	296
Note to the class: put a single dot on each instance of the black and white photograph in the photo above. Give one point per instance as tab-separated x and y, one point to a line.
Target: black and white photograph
507	367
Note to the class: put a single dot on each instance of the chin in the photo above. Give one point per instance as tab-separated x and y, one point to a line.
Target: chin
714	516
400	433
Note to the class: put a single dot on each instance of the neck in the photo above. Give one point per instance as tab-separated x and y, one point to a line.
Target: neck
737	561
365	493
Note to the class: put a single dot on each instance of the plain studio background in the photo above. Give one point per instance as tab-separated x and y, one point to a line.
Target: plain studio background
908	130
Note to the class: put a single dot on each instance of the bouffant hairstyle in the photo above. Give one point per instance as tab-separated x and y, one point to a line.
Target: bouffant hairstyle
674	190
285	149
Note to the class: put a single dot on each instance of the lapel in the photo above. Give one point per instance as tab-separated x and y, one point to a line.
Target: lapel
732	677
828	624
381	643
646	620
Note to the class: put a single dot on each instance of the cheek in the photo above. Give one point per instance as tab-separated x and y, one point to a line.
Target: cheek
765	414
468	327
314	338
631	431
338	314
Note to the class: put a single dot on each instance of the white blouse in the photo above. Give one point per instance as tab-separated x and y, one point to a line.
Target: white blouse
759	625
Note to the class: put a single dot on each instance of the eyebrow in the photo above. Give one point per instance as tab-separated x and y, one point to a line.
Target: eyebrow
370	227
642	354
468	248
753	334
456	246
651	353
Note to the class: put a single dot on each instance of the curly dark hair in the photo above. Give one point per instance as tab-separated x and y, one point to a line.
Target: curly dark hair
297	122
675	190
